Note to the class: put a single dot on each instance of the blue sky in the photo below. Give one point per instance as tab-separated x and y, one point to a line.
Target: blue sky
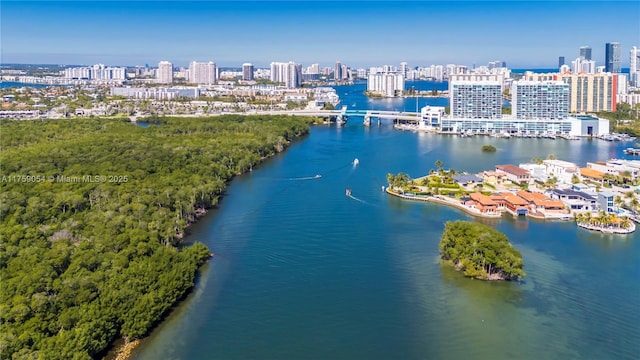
359	33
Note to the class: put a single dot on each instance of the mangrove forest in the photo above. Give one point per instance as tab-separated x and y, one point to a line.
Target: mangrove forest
480	251
93	214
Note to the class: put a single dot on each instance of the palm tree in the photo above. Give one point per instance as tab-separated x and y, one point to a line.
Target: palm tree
439	165
625	223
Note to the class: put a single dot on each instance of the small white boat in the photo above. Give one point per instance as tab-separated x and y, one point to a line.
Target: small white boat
356	162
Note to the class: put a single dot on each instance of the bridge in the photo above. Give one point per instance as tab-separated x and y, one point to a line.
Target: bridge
342	115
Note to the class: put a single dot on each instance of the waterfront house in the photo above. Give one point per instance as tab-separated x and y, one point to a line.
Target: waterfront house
606	201
514	173
541	202
564	171
575	200
603	168
482	203
513	203
466	179
492	177
626	168
538	172
592	175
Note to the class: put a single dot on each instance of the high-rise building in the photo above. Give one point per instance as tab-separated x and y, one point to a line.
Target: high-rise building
587	92
581	65
560	61
247	72
203	73
96	72
387	84
548	100
165	72
337	72
290	74
404	69
476	99
585	52
612	58
634	66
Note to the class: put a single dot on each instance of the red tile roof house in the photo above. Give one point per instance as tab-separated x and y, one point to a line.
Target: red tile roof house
514	204
541	202
514	173
483	203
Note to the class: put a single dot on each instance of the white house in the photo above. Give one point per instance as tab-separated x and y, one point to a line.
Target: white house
564	171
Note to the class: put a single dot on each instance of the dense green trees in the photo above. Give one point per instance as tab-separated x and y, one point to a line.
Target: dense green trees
488	148
92	213
480	251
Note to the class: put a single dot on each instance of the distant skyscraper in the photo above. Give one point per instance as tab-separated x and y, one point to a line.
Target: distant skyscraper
288	73
612	58
634	66
560	61
337	72
202	73
165	72
585	52
385	84
404	68
247	72
581	65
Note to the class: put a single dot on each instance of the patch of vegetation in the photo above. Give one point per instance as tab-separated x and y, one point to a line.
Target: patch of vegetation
480	251
488	148
84	262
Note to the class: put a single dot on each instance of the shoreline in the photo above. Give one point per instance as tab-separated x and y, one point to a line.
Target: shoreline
442	201
124	352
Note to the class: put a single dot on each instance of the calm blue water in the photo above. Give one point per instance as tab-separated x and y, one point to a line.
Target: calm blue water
352	96
303	272
10	84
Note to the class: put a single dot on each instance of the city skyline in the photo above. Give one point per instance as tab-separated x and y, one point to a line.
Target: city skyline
358	34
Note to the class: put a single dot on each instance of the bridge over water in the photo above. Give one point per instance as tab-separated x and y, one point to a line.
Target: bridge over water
340	116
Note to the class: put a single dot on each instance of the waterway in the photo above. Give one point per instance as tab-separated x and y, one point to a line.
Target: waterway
303	272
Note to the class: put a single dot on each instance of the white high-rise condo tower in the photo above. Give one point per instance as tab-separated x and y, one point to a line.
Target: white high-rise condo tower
165	72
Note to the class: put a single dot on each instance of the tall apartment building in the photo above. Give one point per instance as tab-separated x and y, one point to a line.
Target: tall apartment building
476	99
548	100
634	66
612	58
385	84
585	52
581	65
560	61
404	69
587	92
337	72
165	72
247	72
203	72
288	73
96	72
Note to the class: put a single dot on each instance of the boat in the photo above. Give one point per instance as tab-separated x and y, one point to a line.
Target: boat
356	162
631	151
348	192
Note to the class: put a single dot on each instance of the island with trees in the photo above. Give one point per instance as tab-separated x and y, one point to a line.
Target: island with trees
480	252
93	214
488	148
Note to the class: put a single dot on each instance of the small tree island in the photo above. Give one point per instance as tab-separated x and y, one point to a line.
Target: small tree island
480	251
488	148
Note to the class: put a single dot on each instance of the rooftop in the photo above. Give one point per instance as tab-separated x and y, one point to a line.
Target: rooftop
588	172
512	169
